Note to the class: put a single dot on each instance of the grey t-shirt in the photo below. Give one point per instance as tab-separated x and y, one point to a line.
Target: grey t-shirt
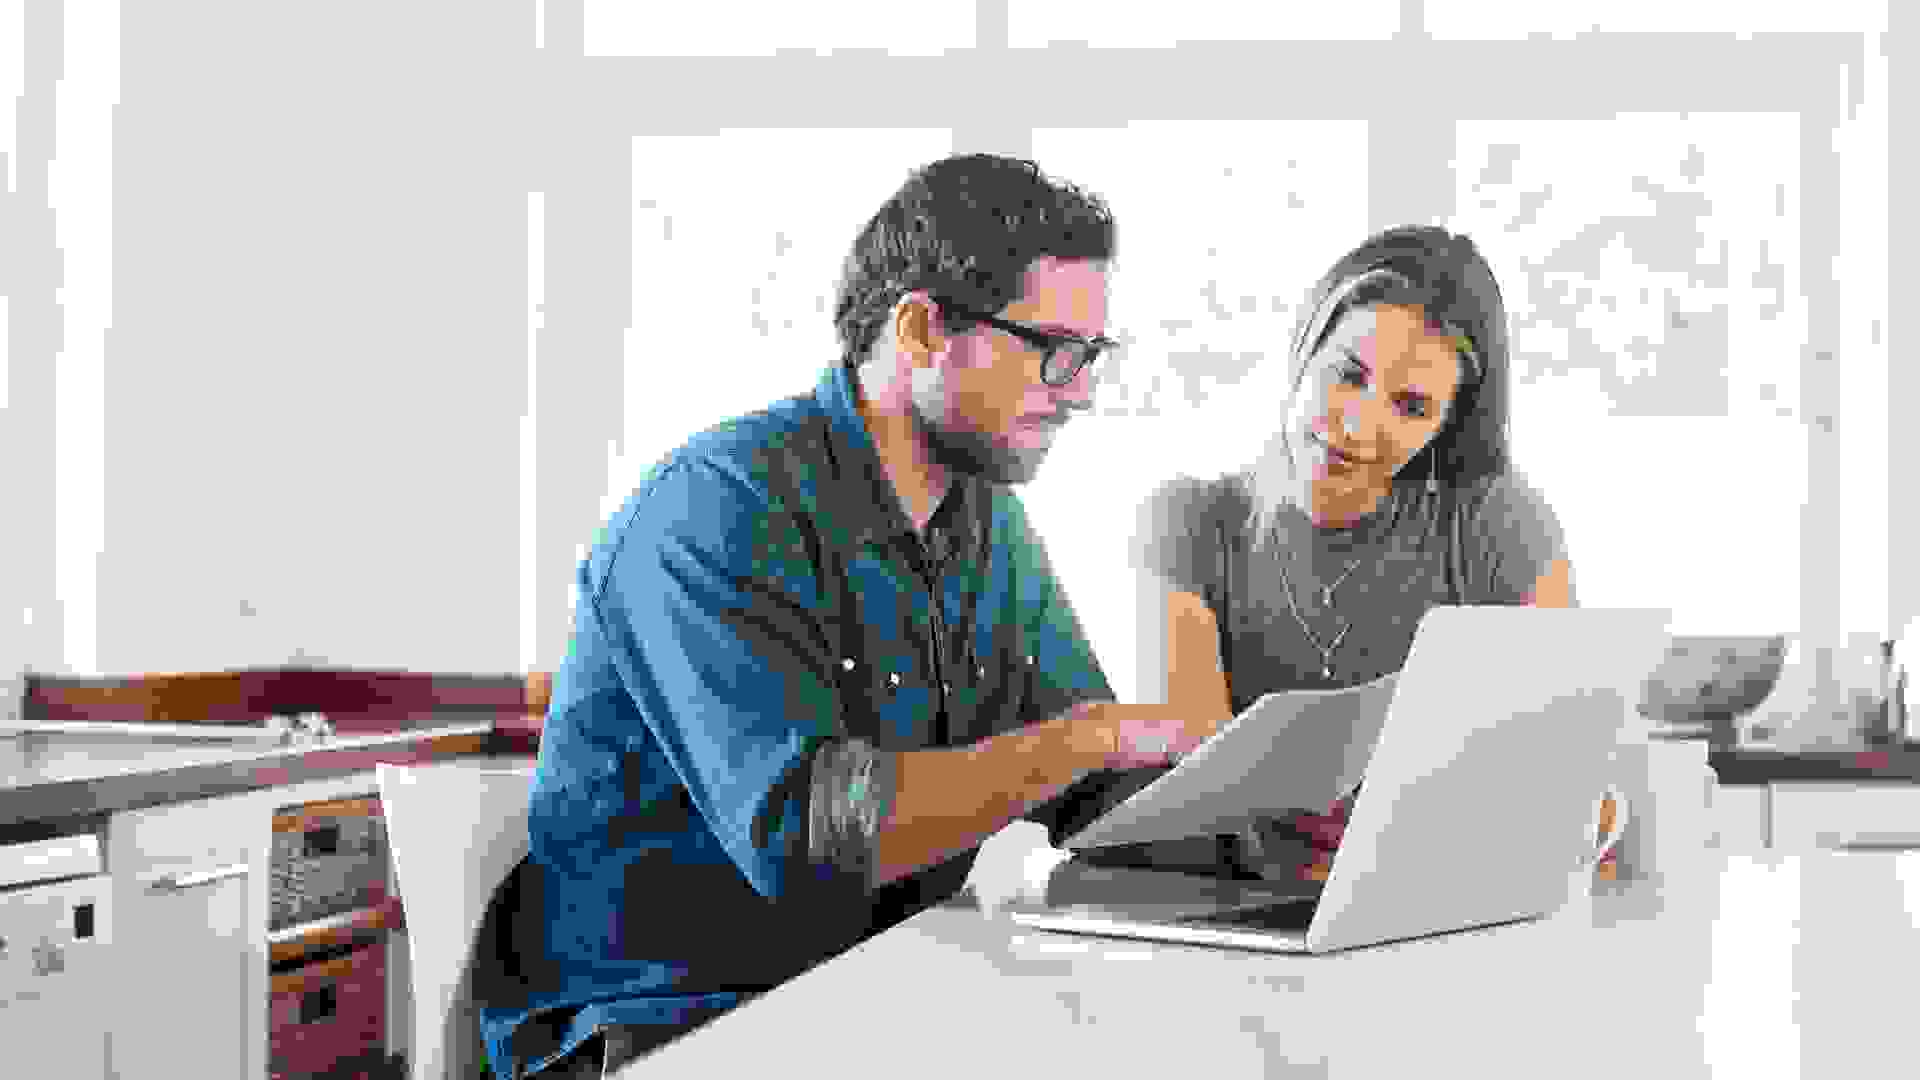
1487	543
1484	544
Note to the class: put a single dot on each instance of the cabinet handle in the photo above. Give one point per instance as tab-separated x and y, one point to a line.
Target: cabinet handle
182	882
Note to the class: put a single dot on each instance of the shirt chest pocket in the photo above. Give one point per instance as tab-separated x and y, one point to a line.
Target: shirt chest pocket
1000	686
887	703
892	676
883	699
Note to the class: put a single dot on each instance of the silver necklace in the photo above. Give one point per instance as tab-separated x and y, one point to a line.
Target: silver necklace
1326	601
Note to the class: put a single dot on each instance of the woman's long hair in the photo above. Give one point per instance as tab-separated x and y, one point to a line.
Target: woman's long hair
1444	275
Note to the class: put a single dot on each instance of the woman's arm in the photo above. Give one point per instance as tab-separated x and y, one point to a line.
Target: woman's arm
1554	588
1178	665
1178	650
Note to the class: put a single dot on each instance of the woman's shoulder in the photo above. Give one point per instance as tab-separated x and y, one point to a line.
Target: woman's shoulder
1507	503
1502	491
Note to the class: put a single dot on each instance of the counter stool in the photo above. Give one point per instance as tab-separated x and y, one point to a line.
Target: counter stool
454	833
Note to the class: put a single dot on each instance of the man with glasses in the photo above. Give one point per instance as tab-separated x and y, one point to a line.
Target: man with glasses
820	654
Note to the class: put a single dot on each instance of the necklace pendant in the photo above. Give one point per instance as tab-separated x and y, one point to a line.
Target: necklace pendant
1326	671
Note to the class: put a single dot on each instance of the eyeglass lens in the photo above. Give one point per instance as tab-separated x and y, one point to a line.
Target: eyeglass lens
1064	361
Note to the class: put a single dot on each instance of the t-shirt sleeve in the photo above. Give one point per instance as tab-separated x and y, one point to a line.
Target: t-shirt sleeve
729	669
1172	536
1517	537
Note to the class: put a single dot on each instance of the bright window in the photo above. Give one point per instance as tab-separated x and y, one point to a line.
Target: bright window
1651	263
1657	324
738	242
1222	228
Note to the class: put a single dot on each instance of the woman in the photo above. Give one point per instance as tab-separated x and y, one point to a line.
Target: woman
1386	490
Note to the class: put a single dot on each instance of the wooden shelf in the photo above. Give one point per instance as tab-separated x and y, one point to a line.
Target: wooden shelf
299	818
312	976
539	693
343	929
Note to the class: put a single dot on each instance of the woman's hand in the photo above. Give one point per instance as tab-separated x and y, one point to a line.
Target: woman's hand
1296	846
1323	833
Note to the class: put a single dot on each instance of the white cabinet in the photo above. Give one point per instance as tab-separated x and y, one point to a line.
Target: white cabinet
186	987
55	965
189	891
1808	815
1740	816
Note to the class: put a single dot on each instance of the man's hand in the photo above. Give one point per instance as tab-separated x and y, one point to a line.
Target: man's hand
1140	736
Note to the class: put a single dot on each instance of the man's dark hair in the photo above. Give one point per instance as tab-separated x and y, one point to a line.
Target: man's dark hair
964	228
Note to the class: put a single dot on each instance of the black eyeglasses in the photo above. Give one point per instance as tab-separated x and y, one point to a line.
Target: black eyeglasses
1062	356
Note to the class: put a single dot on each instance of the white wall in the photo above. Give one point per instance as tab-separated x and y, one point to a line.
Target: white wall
315	369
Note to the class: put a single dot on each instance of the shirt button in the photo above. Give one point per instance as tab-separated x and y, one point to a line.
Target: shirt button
980	672
894	678
946	688
846	662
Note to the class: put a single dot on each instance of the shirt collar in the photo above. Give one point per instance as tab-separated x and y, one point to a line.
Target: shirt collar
879	515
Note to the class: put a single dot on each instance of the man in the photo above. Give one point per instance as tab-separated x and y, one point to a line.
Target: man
819	654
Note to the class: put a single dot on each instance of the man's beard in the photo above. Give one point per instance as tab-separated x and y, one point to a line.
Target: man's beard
973	453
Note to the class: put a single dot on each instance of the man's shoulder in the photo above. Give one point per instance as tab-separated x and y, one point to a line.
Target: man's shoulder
792	428
1002	512
725	480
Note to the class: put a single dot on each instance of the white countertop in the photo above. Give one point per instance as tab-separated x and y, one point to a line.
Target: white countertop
1765	965
28	759
64	781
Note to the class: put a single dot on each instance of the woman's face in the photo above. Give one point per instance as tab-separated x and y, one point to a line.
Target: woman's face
1373	396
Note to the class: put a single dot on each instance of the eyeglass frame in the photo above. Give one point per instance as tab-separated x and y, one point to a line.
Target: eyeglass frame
1047	342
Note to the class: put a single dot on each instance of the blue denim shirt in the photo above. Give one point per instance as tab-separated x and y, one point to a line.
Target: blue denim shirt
759	632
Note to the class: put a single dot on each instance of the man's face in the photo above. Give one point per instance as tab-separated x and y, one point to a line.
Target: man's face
981	404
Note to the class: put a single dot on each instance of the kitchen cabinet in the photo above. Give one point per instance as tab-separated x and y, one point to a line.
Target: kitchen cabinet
55	967
353	980
1740	816
329	939
162	959
189	894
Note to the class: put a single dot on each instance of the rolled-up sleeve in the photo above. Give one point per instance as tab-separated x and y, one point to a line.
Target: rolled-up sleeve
715	616
853	785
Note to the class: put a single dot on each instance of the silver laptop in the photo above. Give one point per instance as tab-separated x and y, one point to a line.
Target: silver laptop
1480	794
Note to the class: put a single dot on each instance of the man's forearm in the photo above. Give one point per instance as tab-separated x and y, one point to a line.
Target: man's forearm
947	801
